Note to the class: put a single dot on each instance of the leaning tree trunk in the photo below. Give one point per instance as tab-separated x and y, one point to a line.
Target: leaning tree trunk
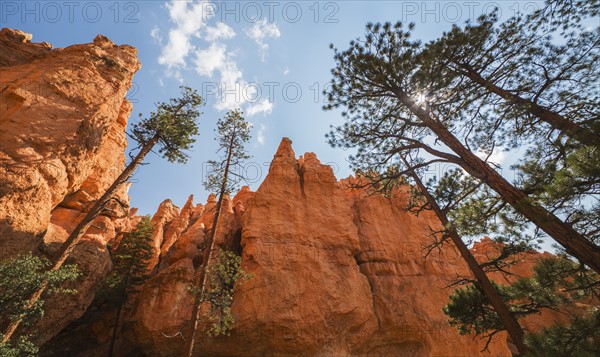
574	243
115	331
75	236
555	120
202	275
508	319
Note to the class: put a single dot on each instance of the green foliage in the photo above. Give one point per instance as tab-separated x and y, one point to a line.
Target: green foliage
470	311
581	338
561	14
474	210
21	348
173	123
233	132
130	263
522	59
555	281
494	86
561	166
489	85
567	179
20	278
223	278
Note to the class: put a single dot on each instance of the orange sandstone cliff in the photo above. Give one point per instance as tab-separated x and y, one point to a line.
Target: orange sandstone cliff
62	142
336	272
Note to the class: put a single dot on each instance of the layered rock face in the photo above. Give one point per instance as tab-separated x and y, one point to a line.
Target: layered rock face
62	135
62	142
336	272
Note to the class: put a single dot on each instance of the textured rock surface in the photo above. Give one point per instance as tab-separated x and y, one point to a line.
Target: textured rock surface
17	48
336	273
62	143
62	130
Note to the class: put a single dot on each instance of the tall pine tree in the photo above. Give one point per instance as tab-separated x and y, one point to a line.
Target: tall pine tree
455	101
233	132
396	102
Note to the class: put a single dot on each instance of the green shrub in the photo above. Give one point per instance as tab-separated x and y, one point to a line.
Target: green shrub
19	279
224	276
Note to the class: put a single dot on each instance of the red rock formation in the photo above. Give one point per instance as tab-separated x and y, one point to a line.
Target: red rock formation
63	118
62	142
336	272
17	48
178	225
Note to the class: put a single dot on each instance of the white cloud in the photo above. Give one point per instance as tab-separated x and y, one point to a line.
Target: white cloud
188	17
497	157
213	60
234	90
155	34
221	31
210	59
263	106
260	136
231	74
260	31
286	71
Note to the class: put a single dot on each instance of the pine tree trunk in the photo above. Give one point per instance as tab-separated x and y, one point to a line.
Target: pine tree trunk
202	274
75	236
555	120
113	339
508	319
115	332
574	243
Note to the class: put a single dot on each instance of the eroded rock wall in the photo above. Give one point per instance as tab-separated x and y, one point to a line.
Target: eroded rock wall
336	272
62	143
62	133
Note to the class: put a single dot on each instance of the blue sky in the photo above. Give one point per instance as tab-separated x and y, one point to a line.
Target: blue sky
273	55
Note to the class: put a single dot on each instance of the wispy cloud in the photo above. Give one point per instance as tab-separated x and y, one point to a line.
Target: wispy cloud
210	59
155	34
259	32
214	59
188	18
263	106
260	136
221	31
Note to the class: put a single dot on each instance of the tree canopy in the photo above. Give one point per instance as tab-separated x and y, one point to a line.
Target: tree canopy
526	86
455	101
173	125
233	133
